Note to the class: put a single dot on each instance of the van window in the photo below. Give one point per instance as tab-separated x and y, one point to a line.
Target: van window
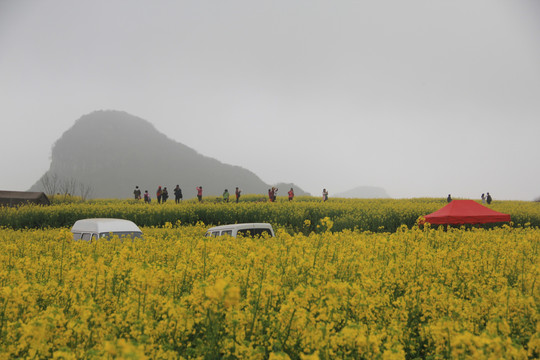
254	232
215	234
86	236
121	234
227	232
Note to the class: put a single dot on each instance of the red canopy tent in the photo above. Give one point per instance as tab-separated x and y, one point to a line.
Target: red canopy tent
465	212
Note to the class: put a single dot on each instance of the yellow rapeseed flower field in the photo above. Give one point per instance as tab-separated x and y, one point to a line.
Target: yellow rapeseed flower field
410	293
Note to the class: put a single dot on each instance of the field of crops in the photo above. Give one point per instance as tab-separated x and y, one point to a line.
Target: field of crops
409	294
367	215
324	294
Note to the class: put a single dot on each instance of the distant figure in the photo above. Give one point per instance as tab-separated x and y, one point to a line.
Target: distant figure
159	193
237	193
449	198
270	195
324	195
137	193
199	193
489	199
483	197
291	194
274	193
177	194
164	195
146	197
226	196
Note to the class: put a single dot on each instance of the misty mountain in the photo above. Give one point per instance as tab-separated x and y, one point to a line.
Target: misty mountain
364	192
113	151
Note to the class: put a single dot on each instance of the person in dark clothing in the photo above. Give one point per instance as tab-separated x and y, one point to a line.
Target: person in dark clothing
146	196
137	193
164	195
488	199
237	193
449	198
159	194
324	195
177	194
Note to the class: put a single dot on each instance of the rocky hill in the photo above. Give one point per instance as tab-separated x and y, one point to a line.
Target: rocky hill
111	152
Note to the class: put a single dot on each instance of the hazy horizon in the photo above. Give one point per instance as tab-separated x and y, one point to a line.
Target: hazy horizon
421	98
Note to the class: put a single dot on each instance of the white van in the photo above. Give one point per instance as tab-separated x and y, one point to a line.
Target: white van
92	229
249	229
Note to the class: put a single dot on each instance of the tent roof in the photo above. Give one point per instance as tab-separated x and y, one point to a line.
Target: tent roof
465	212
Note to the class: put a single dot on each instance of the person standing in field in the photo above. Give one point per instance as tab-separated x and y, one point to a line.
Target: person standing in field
483	197
489	199
291	194
164	195
159	194
177	194
274	193
137	193
449	198
237	193
146	197
324	195
199	193
226	196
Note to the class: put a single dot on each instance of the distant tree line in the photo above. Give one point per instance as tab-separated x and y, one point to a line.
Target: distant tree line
54	185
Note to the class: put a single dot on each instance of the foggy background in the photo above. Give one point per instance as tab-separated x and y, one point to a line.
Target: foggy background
420	97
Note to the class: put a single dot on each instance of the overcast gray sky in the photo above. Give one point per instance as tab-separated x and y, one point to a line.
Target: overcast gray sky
421	97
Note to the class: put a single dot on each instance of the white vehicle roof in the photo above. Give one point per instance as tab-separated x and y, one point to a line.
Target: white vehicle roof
241	227
105	226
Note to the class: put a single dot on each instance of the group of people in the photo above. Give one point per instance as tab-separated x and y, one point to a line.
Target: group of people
484	198
162	194
226	194
272	194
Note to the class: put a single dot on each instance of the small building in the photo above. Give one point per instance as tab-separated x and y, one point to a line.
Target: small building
16	198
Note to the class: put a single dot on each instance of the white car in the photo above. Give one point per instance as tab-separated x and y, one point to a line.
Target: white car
249	229
93	229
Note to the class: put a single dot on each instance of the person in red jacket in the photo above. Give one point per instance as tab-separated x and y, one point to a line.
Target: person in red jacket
199	193
291	194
